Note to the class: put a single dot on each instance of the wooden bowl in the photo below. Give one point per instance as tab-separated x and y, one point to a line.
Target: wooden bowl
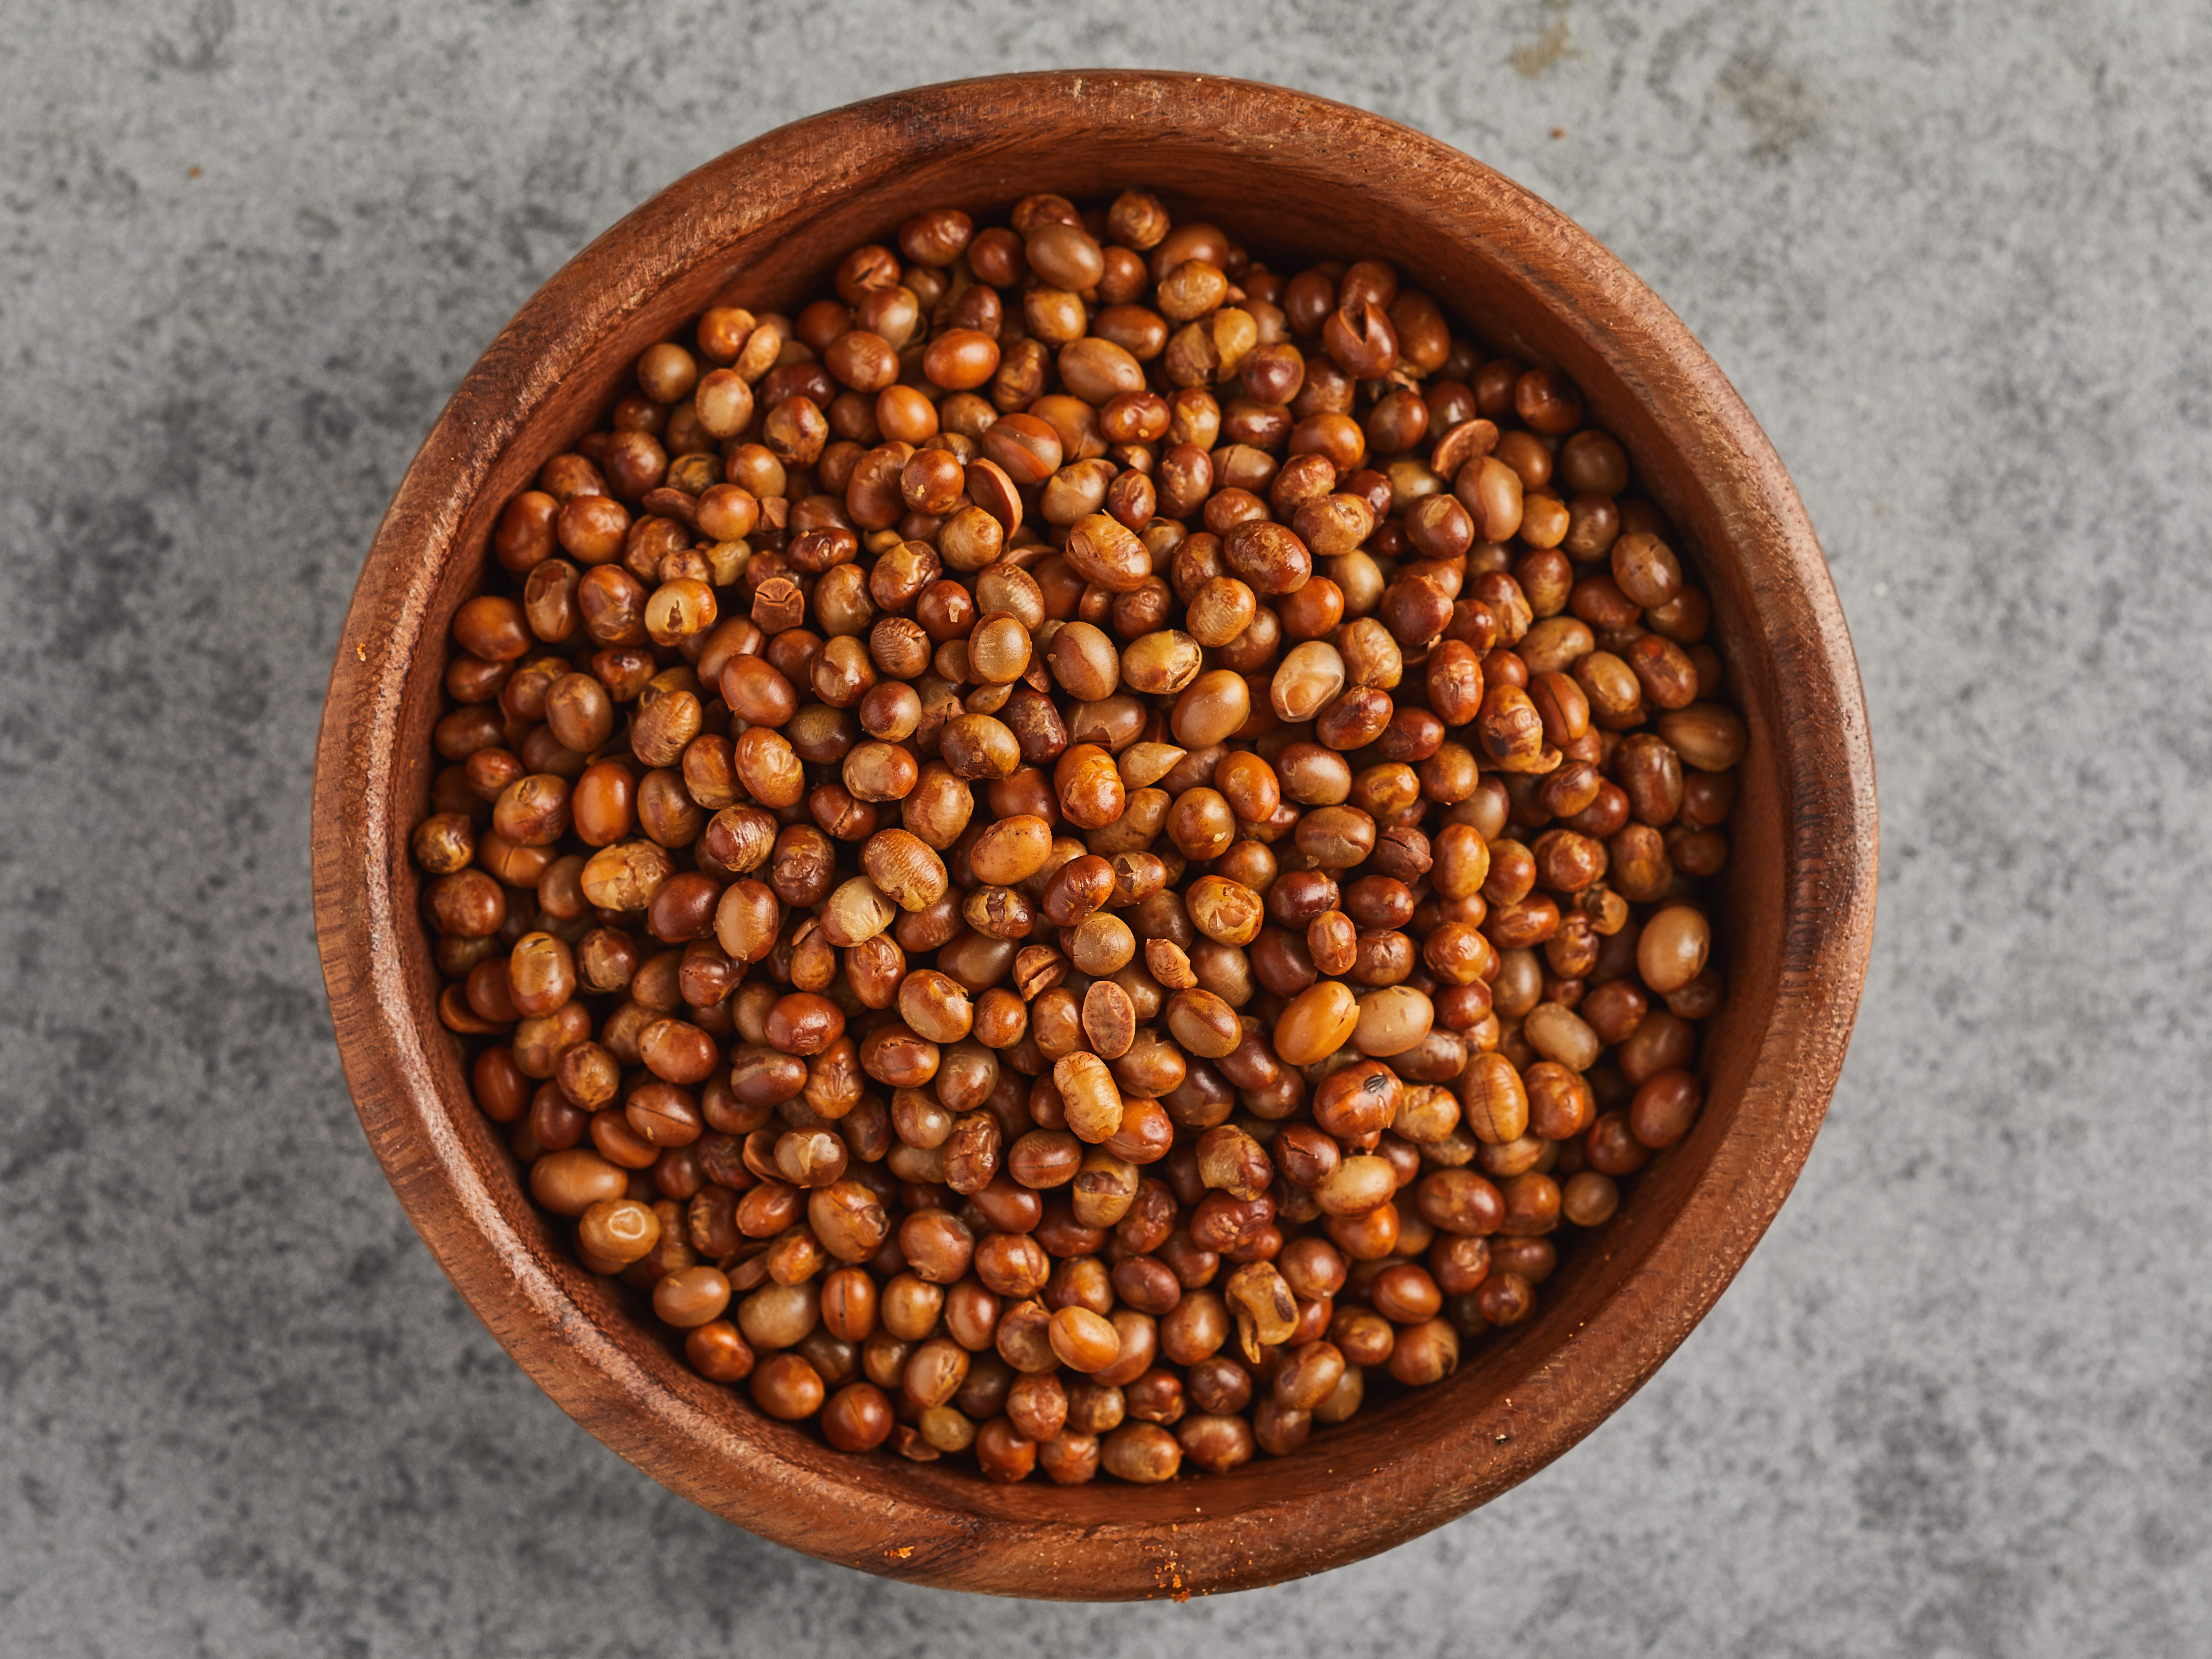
1281	170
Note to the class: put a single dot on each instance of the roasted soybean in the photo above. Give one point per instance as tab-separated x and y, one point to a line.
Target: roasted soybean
1086	850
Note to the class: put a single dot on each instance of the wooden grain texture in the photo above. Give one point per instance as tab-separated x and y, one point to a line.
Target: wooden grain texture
1282	170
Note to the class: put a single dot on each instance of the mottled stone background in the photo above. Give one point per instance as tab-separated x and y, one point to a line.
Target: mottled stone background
1953	252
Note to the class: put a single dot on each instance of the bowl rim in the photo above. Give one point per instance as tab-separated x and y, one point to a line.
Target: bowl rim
924	1532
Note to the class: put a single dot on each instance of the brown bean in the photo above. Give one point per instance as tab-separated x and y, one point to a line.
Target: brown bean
1672	949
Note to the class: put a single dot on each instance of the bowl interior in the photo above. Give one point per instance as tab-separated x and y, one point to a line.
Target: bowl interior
1291	176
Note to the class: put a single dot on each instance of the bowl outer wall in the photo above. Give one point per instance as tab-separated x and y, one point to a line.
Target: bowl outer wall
1286	169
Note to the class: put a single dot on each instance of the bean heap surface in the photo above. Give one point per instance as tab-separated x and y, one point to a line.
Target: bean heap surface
1078	853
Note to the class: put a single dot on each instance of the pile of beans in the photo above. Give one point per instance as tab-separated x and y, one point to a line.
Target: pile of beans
1084	849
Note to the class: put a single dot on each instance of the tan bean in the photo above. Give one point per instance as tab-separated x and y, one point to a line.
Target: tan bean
1091	1100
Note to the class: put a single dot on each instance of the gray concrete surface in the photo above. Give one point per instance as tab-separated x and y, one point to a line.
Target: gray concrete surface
1952	251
